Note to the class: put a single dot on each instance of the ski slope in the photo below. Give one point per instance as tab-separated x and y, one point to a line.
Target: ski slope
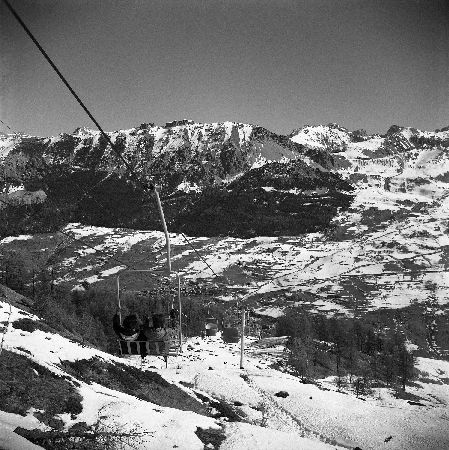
310	417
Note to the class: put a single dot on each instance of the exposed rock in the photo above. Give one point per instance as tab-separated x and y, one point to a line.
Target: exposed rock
282	394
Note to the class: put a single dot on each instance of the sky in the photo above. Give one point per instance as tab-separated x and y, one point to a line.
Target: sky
280	64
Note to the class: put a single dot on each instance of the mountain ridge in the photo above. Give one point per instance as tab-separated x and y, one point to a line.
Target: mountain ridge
188	160
199	165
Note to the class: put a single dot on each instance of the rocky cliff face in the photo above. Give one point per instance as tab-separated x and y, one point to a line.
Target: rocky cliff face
215	178
189	153
204	170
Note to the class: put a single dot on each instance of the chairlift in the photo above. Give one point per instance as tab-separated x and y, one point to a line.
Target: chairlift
162	339
125	344
236	323
230	335
211	326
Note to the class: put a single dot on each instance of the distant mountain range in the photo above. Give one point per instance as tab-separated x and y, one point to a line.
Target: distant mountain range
216	178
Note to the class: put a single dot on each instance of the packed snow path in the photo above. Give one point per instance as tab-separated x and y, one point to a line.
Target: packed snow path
319	413
279	418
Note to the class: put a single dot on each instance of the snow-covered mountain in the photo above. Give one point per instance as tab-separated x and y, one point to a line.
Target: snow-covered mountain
359	144
217	179
196	165
223	150
226	179
344	224
185	156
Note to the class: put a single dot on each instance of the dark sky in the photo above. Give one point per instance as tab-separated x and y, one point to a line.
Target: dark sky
276	63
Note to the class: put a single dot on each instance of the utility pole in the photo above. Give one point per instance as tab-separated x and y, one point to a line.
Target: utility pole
180	311
242	341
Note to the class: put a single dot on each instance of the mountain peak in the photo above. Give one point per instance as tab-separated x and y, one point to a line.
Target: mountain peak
83	130
178	123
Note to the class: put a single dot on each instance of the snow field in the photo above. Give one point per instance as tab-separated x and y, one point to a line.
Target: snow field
304	419
311	411
280	264
247	436
161	427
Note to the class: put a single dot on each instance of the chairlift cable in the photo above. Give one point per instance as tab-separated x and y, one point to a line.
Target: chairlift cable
151	187
83	106
7	126
114	148
75	95
63	79
198	254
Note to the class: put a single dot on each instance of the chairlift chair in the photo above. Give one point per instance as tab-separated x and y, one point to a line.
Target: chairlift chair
230	335
164	348
211	326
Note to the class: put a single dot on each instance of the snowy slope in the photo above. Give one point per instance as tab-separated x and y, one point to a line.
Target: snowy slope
321	136
383	231
165	426
309	417
387	252
159	427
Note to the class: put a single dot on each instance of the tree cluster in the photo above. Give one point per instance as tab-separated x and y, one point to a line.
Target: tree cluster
86	314
354	350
